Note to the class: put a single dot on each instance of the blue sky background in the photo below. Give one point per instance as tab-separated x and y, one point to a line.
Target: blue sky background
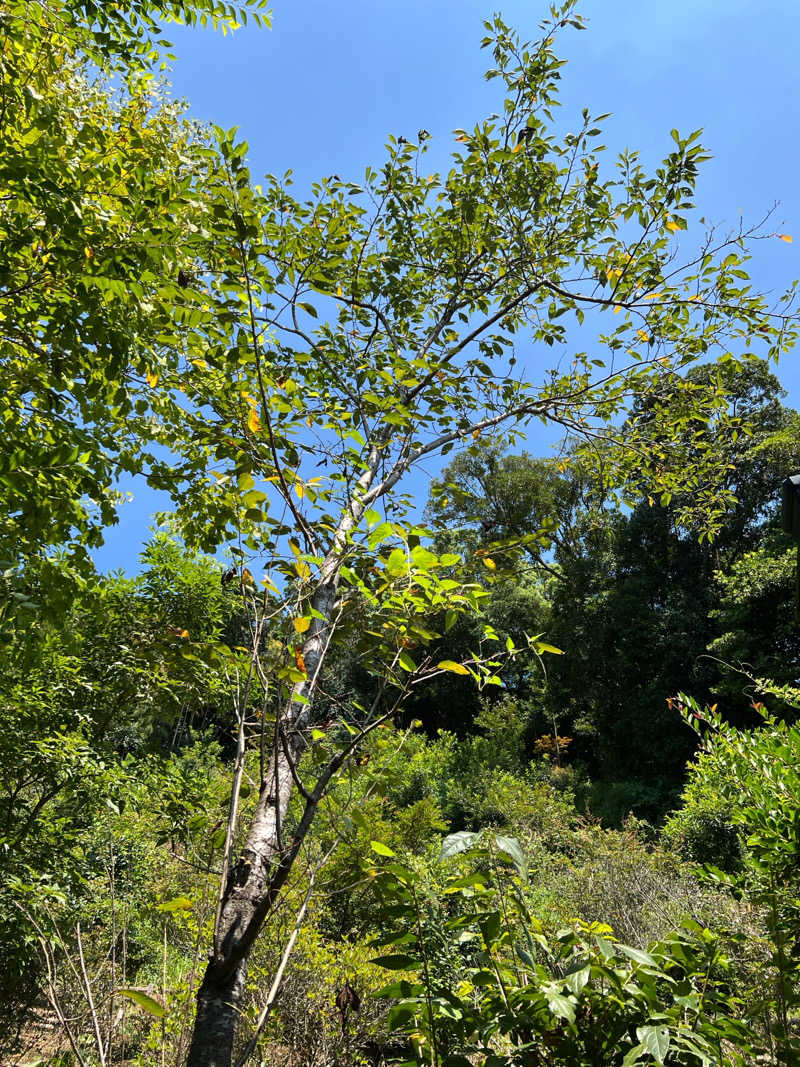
322	90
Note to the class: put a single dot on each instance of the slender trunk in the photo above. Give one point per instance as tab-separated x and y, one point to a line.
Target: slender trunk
256	879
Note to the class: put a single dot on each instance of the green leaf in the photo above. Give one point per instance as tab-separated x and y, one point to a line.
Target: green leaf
542	646
637	955
509	847
143	1000
381	849
633	1055
397	563
458	842
655	1039
176	904
423	559
406	662
561	1006
577	980
401	989
395	962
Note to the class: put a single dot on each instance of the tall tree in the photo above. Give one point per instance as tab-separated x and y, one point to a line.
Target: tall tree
97	189
298	359
334	344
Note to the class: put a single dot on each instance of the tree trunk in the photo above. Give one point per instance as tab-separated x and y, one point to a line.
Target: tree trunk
266	859
219	1002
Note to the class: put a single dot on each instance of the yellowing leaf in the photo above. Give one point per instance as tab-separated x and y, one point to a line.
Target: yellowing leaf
88	252
643	335
299	488
490	563
617	309
672	226
452	666
176	904
302	624
339	290
253	421
517	147
654	296
200	364
785	237
152	378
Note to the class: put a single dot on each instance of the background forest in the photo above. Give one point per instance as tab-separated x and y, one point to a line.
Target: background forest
499	771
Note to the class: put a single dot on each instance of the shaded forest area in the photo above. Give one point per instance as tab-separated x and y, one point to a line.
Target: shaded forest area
332	781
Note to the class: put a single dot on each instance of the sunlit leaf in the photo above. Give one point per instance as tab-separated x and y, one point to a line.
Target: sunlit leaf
143	1000
452	666
381	849
253	421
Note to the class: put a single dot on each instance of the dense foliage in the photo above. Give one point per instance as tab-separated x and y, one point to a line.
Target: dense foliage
379	789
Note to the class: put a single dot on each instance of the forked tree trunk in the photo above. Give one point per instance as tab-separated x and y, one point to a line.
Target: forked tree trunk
266	859
251	889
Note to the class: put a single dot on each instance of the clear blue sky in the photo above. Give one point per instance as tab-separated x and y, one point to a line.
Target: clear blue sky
320	92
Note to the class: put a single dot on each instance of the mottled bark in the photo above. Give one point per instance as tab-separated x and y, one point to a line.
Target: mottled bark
219	1001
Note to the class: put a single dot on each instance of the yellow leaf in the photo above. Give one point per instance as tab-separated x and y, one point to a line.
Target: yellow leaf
785	237
88	252
247	577
199	363
517	147
299	488
452	666
643	335
302	624
654	296
617	309
463	138
152	378
298	658
253	421
650	501
339	290
490	563
673	226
